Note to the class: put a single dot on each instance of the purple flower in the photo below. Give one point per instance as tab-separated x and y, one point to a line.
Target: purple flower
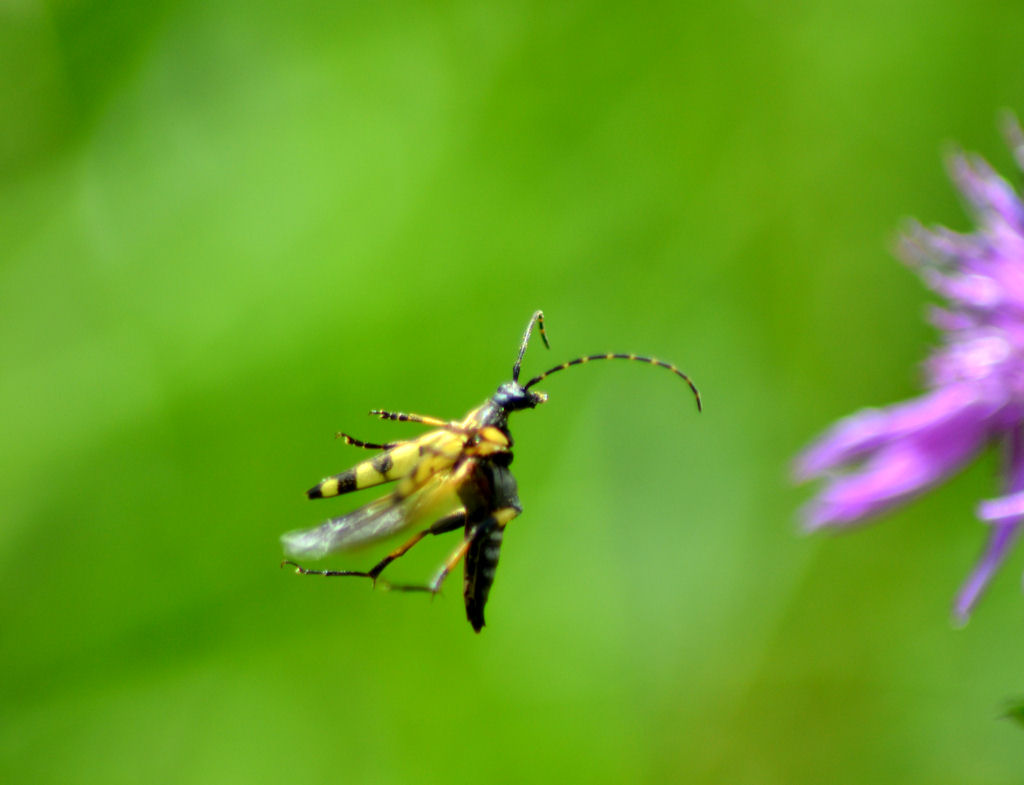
878	458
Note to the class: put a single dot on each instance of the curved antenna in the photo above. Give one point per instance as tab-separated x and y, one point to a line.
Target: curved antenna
536	319
650	360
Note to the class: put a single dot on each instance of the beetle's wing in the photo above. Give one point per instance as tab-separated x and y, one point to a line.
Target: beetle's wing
430	482
371	522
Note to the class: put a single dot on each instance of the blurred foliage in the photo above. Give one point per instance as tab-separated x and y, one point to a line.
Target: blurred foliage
228	229
1014	710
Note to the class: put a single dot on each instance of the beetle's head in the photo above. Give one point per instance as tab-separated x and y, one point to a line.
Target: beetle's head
512	396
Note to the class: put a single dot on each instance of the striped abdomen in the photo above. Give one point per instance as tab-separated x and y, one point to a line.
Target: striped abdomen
481	563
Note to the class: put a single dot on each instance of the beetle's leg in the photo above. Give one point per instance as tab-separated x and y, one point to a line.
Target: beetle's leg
446	524
404	417
435	585
300	570
365	445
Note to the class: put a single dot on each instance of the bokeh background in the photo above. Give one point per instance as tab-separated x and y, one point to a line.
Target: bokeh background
227	229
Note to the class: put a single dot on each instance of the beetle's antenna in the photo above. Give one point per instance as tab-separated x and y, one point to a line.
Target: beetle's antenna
536	319
650	360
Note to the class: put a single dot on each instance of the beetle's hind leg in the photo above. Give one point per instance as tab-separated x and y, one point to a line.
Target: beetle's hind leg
435	585
446	524
486	535
300	570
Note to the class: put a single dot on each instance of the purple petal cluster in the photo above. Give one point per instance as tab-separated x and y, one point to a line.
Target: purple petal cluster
878	458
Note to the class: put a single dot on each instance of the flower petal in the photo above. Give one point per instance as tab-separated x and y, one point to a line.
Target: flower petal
989	194
1002	510
1007	514
900	470
1000	540
878	458
870	429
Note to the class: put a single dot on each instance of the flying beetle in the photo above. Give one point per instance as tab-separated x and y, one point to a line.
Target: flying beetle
460	464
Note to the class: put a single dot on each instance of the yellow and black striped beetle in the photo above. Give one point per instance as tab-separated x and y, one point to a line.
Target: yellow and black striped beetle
461	464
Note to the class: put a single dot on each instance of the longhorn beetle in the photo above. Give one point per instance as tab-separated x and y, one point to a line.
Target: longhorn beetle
460	463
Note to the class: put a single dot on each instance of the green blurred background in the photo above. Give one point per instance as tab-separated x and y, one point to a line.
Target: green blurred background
227	229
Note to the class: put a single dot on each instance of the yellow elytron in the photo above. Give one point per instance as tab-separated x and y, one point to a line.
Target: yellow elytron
461	464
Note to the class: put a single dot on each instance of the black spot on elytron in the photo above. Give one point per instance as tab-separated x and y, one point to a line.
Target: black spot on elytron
346	483
382	463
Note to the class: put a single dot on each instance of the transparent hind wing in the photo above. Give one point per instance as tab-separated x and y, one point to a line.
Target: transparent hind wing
369	523
378	519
